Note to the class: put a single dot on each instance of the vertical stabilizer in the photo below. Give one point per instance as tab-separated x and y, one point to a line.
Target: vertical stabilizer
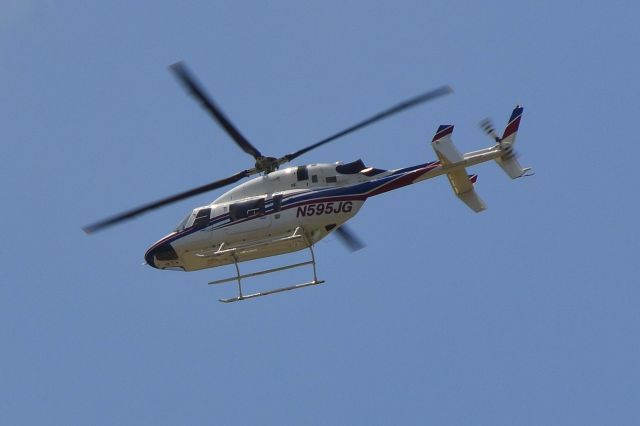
511	130
508	160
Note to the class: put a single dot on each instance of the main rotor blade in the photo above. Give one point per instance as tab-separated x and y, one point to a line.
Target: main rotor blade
163	202
198	92
348	238
409	103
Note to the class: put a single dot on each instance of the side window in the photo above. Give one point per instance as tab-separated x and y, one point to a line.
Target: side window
277	202
245	209
202	218
314	178
331	179
302	173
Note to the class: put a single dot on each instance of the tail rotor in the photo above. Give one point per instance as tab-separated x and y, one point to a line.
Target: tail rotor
509	158
487	126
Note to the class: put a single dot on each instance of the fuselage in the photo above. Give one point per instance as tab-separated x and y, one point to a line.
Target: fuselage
284	211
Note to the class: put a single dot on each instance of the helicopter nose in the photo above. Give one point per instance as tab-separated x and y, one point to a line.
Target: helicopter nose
161	252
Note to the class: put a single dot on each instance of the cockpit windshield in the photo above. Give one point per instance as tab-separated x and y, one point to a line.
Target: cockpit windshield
183	223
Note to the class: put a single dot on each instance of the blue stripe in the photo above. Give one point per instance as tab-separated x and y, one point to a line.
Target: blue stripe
516	112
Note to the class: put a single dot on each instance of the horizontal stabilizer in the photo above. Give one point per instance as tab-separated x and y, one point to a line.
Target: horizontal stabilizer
461	182
462	186
472	200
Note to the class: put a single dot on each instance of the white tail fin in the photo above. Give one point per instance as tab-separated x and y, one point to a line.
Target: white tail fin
511	130
508	160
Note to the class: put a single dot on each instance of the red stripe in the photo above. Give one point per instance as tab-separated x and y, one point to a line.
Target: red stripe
511	128
443	133
405	180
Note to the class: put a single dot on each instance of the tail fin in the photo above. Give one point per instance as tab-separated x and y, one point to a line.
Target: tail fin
510	132
443	146
508	160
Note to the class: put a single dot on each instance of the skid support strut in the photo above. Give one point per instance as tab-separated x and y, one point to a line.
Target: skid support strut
240	277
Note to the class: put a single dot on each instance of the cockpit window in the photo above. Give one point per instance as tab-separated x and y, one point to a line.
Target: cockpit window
202	218
183	223
350	168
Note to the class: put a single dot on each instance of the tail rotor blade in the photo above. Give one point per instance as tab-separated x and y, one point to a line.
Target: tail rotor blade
488	128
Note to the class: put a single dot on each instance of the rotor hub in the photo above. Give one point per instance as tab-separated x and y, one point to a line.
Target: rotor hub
267	164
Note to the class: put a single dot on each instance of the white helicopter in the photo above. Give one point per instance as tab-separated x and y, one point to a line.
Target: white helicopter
291	209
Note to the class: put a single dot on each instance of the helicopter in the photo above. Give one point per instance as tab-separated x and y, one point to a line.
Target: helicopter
284	210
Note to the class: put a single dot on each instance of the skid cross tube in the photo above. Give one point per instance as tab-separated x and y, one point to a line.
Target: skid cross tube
239	278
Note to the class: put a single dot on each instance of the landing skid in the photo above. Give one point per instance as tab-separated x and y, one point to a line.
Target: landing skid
240	277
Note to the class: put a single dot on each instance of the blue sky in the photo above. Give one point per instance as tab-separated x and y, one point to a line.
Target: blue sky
524	314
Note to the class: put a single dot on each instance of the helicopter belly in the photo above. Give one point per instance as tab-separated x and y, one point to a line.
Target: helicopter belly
291	229
226	253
